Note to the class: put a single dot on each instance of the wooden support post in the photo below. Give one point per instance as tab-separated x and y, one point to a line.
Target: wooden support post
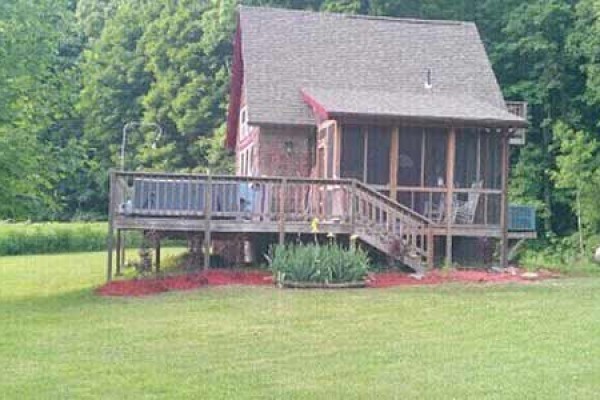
504	201
123	241
394	162
157	252
109	239
353	204
282	200
450	156
430	248
118	253
337	151
207	218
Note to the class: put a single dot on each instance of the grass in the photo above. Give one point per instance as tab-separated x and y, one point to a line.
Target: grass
59	340
59	237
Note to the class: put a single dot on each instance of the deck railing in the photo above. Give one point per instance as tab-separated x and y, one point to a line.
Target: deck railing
278	201
299	205
225	196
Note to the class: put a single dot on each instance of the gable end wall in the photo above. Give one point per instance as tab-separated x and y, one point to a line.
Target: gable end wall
273	158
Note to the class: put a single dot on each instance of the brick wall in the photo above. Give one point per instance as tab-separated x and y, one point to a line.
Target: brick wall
273	158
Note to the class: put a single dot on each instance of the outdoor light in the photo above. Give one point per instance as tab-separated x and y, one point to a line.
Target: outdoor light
159	132
289	147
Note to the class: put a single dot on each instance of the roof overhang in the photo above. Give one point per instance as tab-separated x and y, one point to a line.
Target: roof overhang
421	108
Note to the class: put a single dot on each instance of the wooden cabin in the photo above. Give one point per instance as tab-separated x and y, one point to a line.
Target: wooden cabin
394	130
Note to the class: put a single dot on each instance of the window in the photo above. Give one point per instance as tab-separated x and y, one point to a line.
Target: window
491	159
378	155
422	156
243	122
466	165
410	153
242	163
247	164
436	143
373	142
478	158
352	163
251	169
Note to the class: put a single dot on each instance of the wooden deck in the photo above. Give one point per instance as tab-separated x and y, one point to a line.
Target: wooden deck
220	205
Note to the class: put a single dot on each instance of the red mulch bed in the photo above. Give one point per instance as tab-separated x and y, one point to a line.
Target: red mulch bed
219	277
215	277
387	279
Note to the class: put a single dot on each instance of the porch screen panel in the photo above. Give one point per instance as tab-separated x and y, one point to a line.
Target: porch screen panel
410	156
491	160
378	155
466	167
330	150
352	162
436	140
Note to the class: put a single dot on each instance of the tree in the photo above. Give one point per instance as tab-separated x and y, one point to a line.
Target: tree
578	172
533	63
31	36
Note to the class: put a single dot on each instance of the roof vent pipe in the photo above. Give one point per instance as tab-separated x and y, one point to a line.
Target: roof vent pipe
428	83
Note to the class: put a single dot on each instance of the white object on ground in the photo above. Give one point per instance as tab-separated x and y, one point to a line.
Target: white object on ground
530	275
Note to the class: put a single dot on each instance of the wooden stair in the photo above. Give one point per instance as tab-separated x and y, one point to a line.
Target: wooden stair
392	228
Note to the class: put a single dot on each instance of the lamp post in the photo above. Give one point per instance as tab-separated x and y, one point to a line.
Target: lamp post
131	124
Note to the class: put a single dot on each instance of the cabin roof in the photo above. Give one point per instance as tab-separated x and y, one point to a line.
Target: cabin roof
457	108
364	65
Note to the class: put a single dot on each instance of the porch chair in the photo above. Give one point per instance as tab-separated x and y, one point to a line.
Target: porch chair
464	211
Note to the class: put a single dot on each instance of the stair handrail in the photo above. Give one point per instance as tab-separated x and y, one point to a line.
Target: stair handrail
394	203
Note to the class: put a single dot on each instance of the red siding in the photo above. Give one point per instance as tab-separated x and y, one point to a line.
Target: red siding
235	91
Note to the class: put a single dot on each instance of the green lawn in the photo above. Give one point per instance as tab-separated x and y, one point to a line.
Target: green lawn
58	340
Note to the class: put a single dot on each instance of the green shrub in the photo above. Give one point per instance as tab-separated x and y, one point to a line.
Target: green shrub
38	238
318	263
561	254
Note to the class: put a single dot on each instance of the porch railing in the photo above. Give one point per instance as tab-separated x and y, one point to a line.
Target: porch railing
278	201
225	196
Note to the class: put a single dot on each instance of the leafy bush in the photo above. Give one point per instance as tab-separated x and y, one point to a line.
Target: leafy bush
561	254
22	238
318	263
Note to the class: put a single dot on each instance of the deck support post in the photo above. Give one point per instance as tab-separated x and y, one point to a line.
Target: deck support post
157	252
353	204
207	217
109	238
504	201
450	192
119	253
282	200
430	248
123	241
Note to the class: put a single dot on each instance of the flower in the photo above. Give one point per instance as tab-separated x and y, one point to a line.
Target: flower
330	235
314	225
353	237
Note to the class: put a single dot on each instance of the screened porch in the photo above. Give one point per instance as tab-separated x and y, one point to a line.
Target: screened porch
414	166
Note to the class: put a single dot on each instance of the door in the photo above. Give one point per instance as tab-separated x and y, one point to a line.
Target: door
326	150
327	169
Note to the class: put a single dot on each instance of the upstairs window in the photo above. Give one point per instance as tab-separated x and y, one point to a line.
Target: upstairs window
243	123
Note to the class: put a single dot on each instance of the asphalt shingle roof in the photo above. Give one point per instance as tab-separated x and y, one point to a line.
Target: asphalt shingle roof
417	106
364	65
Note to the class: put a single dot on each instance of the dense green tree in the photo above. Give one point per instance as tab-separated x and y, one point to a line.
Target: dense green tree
578	172
31	97
74	73
533	64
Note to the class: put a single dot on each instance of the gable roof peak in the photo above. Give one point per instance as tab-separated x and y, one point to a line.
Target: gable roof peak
285	51
382	18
